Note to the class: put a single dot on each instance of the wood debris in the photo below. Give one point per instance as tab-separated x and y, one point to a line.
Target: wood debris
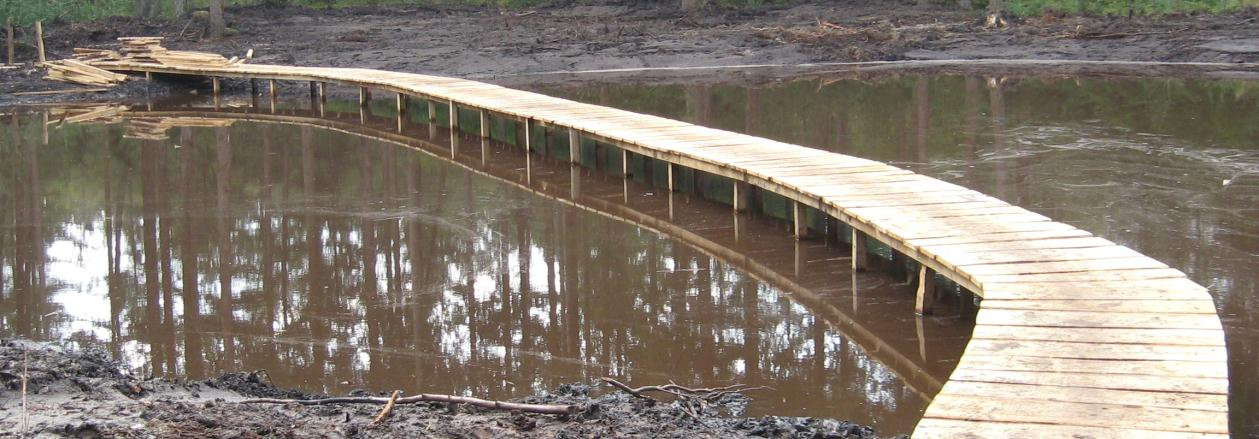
77	72
149	50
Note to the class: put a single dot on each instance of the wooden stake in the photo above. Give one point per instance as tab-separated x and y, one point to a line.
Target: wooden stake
860	257
432	112
574	146
668	174
797	220
271	88
214	81
740	200
454	116
485	124
39	40
363	96
8	29
625	163
926	291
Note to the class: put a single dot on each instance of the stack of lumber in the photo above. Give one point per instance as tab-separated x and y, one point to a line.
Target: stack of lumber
141	49
77	72
148	50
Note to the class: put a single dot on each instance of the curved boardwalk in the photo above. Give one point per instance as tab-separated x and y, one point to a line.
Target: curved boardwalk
1076	336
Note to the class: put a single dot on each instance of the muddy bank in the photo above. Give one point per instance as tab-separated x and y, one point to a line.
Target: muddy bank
83	393
489	43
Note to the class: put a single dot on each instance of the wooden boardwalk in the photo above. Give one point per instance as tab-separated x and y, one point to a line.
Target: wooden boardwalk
1076	336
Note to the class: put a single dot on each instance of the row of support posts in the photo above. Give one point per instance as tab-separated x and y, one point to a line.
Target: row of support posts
926	296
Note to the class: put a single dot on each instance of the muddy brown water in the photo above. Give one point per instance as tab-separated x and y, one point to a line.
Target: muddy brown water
338	255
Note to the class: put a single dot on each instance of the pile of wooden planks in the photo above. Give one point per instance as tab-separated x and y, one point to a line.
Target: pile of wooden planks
149	50
78	72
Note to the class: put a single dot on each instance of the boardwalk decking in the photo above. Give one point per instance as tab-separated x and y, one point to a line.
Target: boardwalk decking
1076	336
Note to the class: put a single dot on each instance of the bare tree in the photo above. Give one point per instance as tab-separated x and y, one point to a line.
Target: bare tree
216	19
146	8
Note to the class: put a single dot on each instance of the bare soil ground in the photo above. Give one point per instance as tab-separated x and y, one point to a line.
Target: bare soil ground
515	45
84	394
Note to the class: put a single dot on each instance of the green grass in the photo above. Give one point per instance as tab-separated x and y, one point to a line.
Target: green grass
25	12
1120	7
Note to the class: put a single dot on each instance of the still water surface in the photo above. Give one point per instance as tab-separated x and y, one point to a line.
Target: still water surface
337	262
1167	167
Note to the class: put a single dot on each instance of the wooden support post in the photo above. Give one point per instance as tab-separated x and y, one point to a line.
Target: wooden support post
44	127
432	112
454	116
8	41
39	40
323	93
528	129
214	84
574	182
253	86
574	146
668	174
797	220
314	91
740	197
625	163
148	76
860	257
926	291
402	110
832	230
364	95
485	124
271	89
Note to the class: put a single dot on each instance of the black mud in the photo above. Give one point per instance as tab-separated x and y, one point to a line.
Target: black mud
83	393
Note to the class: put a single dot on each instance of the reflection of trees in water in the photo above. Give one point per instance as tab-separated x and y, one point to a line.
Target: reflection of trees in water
240	251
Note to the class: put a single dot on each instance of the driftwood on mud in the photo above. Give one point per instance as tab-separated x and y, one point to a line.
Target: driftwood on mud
680	391
691	401
548	409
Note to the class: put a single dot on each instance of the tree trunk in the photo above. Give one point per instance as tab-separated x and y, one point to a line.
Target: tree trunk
994	7
180	8
216	19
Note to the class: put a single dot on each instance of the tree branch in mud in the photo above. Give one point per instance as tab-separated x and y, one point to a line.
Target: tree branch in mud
691	401
548	409
680	391
384	413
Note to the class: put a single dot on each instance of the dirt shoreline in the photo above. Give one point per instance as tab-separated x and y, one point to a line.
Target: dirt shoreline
655	41
85	394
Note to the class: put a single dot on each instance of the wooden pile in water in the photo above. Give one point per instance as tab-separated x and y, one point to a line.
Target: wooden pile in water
77	72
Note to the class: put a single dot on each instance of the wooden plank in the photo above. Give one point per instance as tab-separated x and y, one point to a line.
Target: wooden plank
1033	394
1090	415
1101	318
933	428
1087	380
1087	276
1096	351
1068	266
1152	368
1166	306
1001	237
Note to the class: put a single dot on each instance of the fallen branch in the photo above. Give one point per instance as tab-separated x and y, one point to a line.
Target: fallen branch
680	391
547	409
393	399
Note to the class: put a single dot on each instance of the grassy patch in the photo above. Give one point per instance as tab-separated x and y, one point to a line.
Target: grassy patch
1121	7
